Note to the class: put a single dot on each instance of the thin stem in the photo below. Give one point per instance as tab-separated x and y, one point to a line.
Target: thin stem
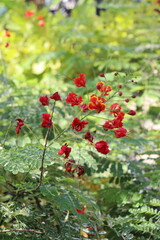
112	96
42	162
43	154
58	136
20	230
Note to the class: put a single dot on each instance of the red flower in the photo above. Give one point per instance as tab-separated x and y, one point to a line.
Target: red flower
120	132
81	211
47	122
99	85
7	33
115	108
29	14
64	150
56	96
78	125
102	147
40	17
117	123
97	103
73	99
84	107
132	112
69	164
103	89
120	116
89	137
108	125
41	23
7	45
44	100
20	123
46	116
81	81
106	89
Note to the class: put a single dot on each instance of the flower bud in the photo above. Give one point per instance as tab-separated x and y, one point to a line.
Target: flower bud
126	100
101	75
132	112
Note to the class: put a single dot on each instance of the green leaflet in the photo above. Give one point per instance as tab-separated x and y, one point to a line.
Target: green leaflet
25	159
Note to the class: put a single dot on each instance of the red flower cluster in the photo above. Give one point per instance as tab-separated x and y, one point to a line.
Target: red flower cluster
65	150
103	89
20	123
115	123
41	22
30	13
97	103
73	99
80	81
47	122
78	125
72	167
102	147
8	35
45	100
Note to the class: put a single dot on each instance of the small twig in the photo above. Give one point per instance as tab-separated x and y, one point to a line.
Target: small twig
42	162
43	154
112	96
20	230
